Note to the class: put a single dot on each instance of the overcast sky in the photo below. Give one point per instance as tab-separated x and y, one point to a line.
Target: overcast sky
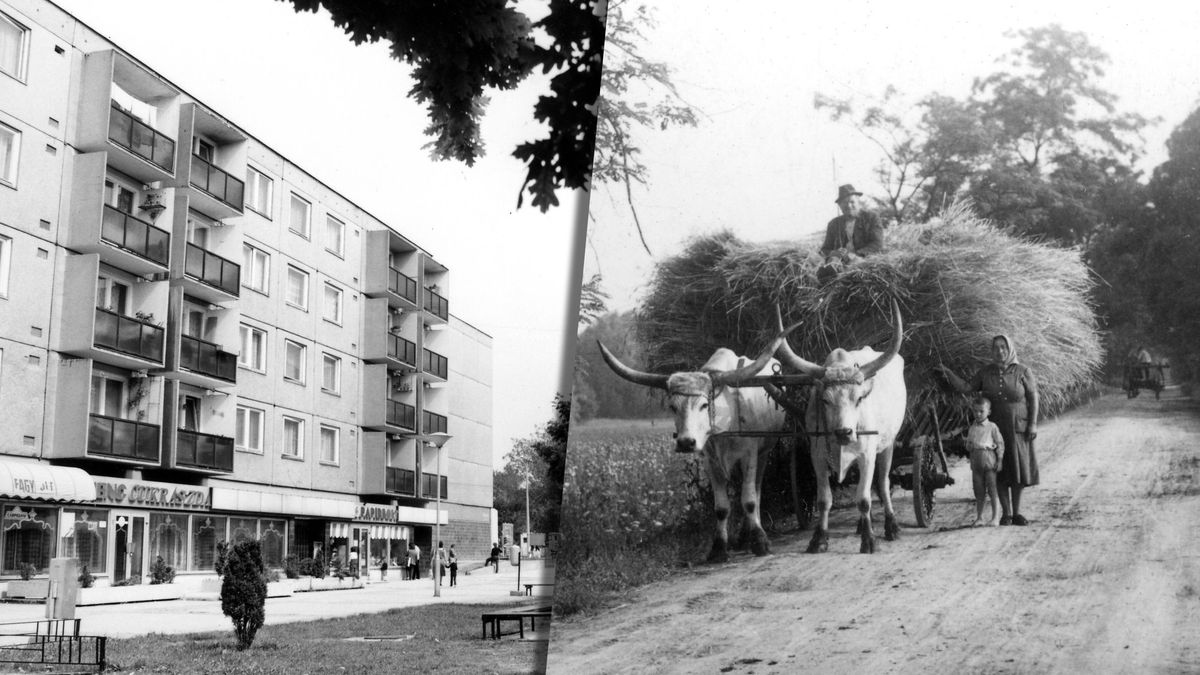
298	84
766	165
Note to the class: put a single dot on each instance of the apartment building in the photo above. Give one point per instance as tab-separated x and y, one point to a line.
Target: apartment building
201	342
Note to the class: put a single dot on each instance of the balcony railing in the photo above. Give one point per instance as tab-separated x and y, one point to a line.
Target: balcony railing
432	423
127	439
432	362
402	481
402	350
204	451
128	335
216	182
206	358
437	304
427	483
135	235
212	269
402	285
140	138
401	415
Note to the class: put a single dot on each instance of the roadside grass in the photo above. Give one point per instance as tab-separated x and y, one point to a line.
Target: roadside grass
441	638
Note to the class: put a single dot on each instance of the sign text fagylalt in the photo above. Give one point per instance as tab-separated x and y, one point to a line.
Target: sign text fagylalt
172	497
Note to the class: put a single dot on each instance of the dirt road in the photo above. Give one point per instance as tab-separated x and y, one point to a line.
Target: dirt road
1106	578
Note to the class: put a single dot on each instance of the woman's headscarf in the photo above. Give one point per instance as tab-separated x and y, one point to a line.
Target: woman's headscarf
1012	350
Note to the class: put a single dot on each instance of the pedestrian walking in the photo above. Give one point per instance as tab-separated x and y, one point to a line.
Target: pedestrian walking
453	557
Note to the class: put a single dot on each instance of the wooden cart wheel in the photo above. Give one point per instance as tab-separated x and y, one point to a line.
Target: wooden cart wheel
922	488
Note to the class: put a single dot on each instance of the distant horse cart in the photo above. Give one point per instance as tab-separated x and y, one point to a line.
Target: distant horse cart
1140	376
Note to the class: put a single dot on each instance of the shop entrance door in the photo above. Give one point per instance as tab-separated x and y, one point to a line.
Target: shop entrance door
129	546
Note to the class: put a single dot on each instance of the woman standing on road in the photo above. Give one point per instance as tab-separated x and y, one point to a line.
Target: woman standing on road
1013	392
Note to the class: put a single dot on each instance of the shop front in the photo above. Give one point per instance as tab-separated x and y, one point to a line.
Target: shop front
39	506
136	522
287	521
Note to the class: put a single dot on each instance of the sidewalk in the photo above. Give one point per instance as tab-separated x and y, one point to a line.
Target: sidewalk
194	616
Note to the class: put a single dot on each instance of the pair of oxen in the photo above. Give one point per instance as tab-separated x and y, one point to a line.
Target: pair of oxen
855	409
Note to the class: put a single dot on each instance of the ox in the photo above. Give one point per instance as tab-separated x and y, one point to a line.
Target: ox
854	413
707	402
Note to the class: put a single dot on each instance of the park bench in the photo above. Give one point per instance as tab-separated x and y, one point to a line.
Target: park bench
518	614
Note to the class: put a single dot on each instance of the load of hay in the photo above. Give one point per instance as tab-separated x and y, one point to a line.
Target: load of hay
959	281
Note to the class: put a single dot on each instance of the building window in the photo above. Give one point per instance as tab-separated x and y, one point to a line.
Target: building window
256	268
301	220
10	150
329	444
28	537
297	288
205	150
293	366
85	537
258	192
207	532
335	236
108	395
169	538
14	47
331	373
293	437
119	194
333	304
249	433
254	349
5	264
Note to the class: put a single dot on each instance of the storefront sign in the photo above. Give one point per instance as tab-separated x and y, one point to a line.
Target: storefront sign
154	495
377	513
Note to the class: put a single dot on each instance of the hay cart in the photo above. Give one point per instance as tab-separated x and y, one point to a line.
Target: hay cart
1140	376
918	461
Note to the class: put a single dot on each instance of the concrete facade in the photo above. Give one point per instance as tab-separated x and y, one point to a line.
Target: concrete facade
224	345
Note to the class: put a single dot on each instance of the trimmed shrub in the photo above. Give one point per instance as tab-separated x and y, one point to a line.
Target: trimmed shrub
291	567
313	568
86	578
161	572
28	571
244	590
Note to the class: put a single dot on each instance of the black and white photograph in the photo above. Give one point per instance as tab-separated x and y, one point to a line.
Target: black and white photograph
887	343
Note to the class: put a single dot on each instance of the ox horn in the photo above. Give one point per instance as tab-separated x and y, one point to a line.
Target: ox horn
790	359
733	377
869	370
635	376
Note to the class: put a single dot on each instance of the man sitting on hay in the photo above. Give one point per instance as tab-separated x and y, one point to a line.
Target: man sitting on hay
855	234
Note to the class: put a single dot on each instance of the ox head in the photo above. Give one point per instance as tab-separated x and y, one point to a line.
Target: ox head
841	385
697	398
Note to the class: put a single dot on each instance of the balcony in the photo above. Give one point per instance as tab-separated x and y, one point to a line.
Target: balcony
427	483
217	183
141	139
205	358
434	364
128	335
122	439
432	423
195	450
402	285
401	415
436	305
135	236
402	350
212	270
401	481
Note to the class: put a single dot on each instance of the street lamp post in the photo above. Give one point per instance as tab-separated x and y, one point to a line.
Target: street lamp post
436	441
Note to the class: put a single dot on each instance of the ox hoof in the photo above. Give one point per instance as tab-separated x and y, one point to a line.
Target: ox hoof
868	545
760	545
819	542
891	530
718	554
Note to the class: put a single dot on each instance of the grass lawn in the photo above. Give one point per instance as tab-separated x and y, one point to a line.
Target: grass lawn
445	638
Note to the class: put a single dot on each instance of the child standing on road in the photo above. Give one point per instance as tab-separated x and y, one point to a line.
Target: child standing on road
986	446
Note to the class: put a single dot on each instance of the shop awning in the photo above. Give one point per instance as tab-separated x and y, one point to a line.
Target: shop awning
32	480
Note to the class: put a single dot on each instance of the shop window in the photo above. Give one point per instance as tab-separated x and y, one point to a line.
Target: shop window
28	538
85	538
168	538
207	532
242	529
273	538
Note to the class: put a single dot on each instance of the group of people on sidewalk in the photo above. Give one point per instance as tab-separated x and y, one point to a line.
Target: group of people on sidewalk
446	558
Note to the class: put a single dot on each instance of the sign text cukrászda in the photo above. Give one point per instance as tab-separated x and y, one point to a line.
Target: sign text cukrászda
149	495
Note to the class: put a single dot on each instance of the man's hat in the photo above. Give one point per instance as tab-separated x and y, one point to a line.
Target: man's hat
845	191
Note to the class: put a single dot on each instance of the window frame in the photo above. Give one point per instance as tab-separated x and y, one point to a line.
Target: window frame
266	257
340	251
303	365
340	304
242	420
262	356
22	73
337	373
9	172
253	189
304	293
306	233
283	449
337	445
6	248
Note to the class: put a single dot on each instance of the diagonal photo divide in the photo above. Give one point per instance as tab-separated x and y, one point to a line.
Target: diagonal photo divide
884	343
